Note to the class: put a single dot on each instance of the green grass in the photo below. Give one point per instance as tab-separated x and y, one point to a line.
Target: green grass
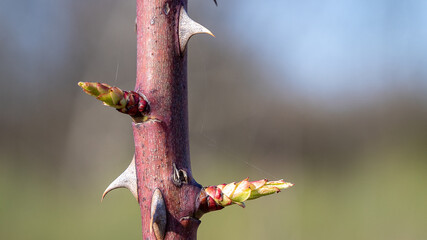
382	197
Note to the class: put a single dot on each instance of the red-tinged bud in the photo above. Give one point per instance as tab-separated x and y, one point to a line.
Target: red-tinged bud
128	102
226	194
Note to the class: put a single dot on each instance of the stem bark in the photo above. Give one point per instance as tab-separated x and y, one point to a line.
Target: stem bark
163	140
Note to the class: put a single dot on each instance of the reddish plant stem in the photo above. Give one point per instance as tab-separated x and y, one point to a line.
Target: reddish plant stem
162	142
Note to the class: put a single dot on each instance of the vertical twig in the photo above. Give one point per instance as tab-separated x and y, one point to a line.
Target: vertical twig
162	142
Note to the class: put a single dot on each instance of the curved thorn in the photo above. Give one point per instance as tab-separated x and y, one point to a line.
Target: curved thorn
126	180
188	28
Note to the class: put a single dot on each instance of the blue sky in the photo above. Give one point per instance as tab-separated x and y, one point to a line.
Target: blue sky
320	48
328	47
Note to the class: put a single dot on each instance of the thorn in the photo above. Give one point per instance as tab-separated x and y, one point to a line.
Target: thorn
158	215
126	180
215	3
188	28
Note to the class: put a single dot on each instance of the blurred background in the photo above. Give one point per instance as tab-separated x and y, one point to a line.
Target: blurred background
330	95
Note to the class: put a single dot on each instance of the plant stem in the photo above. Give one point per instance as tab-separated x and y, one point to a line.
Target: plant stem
162	142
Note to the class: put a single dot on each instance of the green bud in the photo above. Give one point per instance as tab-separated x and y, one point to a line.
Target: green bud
127	102
238	193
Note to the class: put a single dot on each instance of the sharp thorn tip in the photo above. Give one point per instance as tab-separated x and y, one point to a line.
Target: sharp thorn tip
188	28
126	180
